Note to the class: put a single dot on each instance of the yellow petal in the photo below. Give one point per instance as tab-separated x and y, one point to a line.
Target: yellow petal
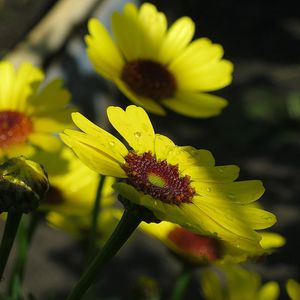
271	240
188	156
293	289
226	221
53	122
162	146
219	174
94	158
196	55
209	77
52	97
45	141
107	140
239	192
108	148
134	125
269	291
130	36
103	53
194	104
258	218
178	36
17	86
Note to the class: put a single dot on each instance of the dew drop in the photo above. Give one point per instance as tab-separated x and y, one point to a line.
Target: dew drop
238	245
231	196
137	134
208	189
112	143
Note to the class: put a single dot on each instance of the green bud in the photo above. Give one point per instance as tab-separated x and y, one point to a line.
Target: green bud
23	184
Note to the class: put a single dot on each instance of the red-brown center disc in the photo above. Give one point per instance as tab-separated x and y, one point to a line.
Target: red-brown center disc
194	244
14	128
54	196
149	79
158	178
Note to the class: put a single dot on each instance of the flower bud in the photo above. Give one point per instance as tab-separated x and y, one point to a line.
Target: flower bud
23	184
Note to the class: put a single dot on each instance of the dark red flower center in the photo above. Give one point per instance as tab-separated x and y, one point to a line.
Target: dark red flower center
158	178
54	196
149	79
14	128
195	244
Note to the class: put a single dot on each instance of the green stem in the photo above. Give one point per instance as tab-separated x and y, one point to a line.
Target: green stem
182	283
10	230
25	236
130	220
95	219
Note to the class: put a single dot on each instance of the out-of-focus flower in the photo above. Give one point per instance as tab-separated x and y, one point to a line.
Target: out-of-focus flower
23	185
29	114
73	185
178	184
239	284
70	200
155	66
78	224
199	249
293	289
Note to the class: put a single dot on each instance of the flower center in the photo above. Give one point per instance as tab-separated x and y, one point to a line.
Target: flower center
149	79
54	196
14	128
194	244
158	178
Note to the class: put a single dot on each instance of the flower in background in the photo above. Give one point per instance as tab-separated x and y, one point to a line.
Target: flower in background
239	284
29	114
155	66
73	186
70	199
293	289
178	184
198	249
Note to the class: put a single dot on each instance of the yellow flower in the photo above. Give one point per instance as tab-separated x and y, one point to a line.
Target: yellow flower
293	289
70	199
155	66
29	115
240	284
78	225
199	249
73	185
178	184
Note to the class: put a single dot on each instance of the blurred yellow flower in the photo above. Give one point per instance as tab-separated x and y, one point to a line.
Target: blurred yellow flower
73	185
178	184
240	284
293	289
199	249
29	114
70	199
155	66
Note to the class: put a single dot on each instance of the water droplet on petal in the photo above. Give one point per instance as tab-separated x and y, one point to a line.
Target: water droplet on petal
112	143
208	189
231	196
137	134
238	245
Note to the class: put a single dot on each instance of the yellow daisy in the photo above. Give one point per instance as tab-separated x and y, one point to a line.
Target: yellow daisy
155	66
178	184
29	114
240	284
199	249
